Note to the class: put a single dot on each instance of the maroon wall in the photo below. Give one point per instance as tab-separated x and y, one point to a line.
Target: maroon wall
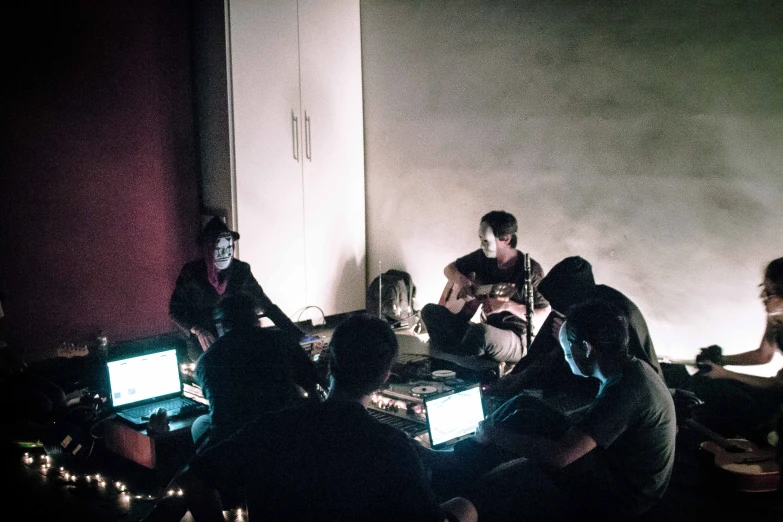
99	194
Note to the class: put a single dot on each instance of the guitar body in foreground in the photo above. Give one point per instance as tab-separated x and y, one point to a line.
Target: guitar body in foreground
748	467
754	470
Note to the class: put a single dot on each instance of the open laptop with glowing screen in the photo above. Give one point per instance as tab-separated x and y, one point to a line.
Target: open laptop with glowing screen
454	416
141	383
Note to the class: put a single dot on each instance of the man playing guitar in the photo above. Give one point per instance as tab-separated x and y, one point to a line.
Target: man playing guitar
491	278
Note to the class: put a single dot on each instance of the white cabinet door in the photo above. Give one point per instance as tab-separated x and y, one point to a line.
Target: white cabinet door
299	150
264	67
331	86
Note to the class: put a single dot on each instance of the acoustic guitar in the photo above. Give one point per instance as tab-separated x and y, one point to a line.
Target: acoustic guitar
458	301
748	467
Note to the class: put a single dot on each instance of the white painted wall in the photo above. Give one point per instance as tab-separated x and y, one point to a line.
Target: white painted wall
646	138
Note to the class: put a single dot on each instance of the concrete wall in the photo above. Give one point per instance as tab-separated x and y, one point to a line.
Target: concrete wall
645	136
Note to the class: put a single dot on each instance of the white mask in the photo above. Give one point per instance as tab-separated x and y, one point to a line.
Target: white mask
488	242
224	251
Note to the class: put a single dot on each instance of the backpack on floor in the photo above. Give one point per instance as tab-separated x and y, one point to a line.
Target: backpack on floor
390	296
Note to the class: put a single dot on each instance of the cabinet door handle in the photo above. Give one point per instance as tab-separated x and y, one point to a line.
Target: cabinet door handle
295	135
308	146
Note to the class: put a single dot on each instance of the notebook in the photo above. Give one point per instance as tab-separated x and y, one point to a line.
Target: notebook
139	384
453	416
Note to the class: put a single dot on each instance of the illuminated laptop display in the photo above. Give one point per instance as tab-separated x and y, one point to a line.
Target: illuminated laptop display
453	417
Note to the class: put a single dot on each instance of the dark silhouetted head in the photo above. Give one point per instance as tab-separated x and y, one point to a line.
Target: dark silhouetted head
568	282
361	353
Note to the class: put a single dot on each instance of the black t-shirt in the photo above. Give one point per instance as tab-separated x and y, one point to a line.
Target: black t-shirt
323	461
194	299
486	272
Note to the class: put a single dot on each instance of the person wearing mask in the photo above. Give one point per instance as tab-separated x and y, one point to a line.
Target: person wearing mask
203	283
500	333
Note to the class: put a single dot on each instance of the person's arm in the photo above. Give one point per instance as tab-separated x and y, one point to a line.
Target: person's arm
717	371
265	306
304	371
555	453
179	303
761	355
493	305
459	279
180	310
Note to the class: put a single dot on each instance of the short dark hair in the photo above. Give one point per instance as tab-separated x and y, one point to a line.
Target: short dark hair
361	352
503	224
601	324
774	273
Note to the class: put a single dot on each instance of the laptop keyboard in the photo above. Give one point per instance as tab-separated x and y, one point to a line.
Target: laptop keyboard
410	427
172	407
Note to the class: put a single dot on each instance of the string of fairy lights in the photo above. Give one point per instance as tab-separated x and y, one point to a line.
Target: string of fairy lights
107	487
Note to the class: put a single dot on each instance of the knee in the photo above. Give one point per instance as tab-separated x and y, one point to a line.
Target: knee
429	311
200	427
475	340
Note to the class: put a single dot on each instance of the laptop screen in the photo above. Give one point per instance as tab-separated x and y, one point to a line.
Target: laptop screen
144	377
453	417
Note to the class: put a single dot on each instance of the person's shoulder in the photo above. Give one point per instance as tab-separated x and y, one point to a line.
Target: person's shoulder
641	375
615	297
392	438
533	262
474	256
240	264
273	336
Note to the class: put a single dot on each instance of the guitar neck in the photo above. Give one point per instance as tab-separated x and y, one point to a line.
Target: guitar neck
719	439
484	289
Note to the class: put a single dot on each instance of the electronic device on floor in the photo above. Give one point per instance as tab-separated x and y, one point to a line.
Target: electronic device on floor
404	406
453	416
142	383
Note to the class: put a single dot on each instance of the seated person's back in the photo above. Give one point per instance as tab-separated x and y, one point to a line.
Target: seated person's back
568	283
321	461
249	370
328	461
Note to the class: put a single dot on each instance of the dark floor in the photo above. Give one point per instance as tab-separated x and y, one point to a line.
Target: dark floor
69	489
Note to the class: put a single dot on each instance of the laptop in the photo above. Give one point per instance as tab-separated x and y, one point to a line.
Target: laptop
140	383
453	416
